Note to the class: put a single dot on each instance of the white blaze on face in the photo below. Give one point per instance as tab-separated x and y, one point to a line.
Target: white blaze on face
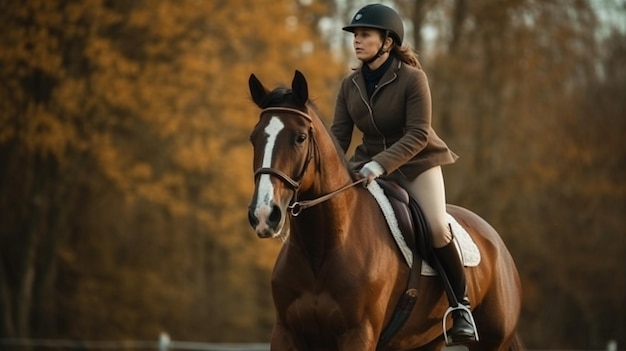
265	190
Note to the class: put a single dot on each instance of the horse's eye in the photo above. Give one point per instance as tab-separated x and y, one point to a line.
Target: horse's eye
300	138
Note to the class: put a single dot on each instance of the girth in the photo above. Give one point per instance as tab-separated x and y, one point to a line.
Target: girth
416	233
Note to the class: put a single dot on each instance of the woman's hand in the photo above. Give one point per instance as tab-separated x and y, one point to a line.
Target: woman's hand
371	171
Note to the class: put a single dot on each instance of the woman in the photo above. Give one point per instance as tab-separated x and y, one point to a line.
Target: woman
388	100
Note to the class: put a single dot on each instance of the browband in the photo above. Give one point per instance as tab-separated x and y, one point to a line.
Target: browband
287	109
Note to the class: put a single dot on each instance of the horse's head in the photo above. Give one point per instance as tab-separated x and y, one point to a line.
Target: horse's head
283	149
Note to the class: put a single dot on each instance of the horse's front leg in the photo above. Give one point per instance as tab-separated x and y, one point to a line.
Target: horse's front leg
362	338
281	339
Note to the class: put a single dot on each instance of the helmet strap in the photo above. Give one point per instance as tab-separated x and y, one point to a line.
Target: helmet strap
381	51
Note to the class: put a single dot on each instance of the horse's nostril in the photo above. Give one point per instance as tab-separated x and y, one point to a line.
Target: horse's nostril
252	218
275	216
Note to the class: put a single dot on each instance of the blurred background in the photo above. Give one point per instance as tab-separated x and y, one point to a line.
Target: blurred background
125	170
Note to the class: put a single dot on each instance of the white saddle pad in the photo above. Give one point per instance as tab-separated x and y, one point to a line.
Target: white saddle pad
468	251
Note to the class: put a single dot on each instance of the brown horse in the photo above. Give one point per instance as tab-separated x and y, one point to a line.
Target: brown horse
339	274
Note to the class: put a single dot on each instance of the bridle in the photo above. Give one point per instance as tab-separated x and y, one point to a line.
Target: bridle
295	207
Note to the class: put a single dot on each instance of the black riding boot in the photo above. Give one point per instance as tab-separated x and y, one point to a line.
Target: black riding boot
462	330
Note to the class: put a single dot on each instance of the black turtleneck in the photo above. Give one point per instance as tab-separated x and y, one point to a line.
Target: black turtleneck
373	77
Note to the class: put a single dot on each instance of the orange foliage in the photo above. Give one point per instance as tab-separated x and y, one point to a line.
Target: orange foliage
125	169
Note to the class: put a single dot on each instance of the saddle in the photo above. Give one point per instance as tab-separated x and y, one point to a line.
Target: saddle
411	220
414	229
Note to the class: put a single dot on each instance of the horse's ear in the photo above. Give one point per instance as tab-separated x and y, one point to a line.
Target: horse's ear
300	88
257	90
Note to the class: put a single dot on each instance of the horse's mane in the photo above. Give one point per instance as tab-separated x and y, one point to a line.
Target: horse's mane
314	110
284	97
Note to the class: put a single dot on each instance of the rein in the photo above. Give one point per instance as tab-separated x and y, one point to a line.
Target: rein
296	207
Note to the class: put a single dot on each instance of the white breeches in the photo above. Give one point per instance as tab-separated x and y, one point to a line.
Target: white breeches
429	191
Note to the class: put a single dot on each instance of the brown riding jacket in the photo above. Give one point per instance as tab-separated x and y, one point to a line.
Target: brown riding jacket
395	121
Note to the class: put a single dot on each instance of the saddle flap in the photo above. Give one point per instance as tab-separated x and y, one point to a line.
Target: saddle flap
399	200
411	221
393	189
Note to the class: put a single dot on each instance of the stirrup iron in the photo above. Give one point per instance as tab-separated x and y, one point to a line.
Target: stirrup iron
450	309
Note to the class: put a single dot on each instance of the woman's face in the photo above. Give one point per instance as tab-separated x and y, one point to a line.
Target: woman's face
367	42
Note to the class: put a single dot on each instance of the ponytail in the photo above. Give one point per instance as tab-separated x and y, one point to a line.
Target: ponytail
407	55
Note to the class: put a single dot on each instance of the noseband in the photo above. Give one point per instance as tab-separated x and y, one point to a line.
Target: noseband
295	206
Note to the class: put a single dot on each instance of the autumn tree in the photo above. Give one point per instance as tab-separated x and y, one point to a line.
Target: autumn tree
522	91
126	168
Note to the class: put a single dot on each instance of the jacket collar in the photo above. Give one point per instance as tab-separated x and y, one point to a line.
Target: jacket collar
388	77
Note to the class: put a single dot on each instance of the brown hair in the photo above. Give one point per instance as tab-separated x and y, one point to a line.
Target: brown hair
403	52
406	54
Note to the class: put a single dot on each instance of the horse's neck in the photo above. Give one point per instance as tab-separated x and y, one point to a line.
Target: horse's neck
333	173
321	228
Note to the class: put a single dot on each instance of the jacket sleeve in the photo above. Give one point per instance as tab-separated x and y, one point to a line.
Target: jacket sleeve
342	124
417	125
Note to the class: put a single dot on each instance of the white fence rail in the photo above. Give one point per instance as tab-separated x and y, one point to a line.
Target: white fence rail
164	343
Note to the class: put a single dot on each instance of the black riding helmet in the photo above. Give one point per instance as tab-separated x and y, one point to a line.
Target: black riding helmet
380	17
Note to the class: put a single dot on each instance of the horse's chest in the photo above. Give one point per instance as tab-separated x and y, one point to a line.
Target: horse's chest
316	315
321	305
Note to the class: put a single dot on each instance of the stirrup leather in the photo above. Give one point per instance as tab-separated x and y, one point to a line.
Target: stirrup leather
445	316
